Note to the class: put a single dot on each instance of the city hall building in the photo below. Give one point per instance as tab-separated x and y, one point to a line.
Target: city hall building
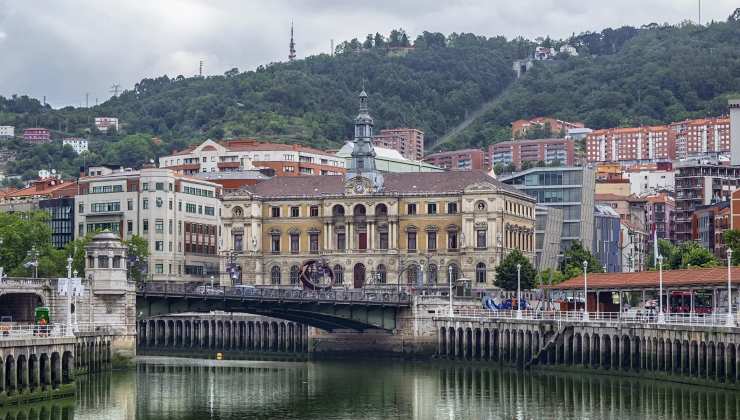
375	228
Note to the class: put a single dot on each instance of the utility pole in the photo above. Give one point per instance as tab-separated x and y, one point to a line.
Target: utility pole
87	100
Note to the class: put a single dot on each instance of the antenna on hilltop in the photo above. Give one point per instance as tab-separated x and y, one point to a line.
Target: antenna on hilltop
331	51
200	69
115	88
291	51
699	12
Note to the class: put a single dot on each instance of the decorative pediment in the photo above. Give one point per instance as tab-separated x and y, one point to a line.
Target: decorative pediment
480	187
431	228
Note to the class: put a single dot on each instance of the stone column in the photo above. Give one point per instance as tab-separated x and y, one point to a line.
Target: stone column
350	242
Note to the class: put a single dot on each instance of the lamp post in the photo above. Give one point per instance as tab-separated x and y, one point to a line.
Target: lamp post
661	317
33	254
69	295
585	290
730	322
2	269
452	312
211	282
518	291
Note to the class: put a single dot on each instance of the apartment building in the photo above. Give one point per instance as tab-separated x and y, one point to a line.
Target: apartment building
178	216
7	131
458	160
407	141
104	124
517	152
631	144
546	125
37	135
702	137
248	154
78	144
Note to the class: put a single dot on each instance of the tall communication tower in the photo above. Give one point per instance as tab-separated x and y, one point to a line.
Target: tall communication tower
291	52
200	68
115	88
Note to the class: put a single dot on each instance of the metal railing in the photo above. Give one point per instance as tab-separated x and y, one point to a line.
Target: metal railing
709	320
24	331
275	294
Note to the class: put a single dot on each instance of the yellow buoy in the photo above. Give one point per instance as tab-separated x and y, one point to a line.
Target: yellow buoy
219	356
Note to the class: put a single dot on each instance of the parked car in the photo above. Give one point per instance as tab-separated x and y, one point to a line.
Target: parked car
208	290
246	289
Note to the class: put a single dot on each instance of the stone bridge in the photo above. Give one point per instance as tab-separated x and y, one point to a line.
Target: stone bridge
687	353
358	310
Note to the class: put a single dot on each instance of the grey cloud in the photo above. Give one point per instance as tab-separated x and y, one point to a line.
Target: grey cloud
65	49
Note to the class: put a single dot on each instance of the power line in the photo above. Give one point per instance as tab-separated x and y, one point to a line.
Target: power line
115	88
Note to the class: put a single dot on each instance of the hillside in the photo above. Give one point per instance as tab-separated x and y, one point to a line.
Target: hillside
661	74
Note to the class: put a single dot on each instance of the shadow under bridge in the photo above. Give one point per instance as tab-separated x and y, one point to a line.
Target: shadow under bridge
328	310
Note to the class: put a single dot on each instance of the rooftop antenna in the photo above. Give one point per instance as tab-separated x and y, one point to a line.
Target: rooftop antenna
291	52
200	69
115	88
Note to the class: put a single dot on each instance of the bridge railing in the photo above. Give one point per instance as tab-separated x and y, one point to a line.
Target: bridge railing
23	283
714	320
24	331
391	296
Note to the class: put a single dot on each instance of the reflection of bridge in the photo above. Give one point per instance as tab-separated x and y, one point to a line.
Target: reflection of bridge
328	310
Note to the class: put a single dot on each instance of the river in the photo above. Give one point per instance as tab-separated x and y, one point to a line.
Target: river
175	389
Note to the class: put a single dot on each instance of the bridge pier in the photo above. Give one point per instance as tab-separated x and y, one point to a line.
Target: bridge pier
682	353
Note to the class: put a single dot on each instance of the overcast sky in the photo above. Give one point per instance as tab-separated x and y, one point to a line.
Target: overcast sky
63	49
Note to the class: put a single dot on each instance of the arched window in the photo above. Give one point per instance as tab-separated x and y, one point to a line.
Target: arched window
480	273
338	274
432	275
359	210
102	261
381	210
337	210
453	271
275	275
294	271
117	261
412	274
382	274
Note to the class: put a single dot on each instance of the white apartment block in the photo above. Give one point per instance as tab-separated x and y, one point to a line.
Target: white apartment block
7	131
104	123
246	154
180	218
79	145
651	182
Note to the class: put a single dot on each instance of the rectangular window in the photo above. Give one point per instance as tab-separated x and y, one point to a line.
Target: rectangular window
179	206
130	226
145	203
159	226
480	239
145	226
238	242
159	245
159	268
383	242
130	205
411	209
81	208
210	211
295	211
275	211
159	186
451	240
313	243
105	207
170	227
170	204
314	211
81	230
200	209
431	208
275	244
341	241
432	241
411	241
145	186
294	243
451	208
190	208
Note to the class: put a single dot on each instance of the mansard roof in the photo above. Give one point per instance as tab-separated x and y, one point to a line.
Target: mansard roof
406	183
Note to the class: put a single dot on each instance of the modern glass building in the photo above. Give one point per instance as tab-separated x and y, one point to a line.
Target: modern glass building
570	189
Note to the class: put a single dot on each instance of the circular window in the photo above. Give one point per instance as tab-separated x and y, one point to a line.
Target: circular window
237	212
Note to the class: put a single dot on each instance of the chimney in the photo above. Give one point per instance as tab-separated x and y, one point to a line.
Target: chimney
734	131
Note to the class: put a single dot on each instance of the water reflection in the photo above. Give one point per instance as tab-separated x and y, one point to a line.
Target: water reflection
194	389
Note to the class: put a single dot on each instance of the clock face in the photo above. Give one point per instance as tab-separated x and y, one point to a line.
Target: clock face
359	188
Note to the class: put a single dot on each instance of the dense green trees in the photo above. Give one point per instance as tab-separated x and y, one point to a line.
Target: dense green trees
21	233
684	255
506	272
572	264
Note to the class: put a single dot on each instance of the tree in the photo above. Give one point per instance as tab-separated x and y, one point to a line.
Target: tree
379	40
694	255
368	44
732	239
138	251
231	73
551	276
572	264
735	16
22	232
506	272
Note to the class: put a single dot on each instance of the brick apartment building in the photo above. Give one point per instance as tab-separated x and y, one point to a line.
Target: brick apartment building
518	151
679	140
519	128
407	141
37	135
458	160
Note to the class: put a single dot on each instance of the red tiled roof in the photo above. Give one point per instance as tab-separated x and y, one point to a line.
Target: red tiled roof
692	277
617	197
